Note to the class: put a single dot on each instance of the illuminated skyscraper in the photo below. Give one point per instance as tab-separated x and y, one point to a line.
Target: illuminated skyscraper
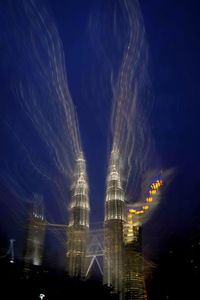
134	283
35	234
113	226
134	288
78	222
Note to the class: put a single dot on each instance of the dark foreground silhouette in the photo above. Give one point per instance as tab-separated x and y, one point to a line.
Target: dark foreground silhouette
54	284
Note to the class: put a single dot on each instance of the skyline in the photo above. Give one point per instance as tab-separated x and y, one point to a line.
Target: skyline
170	157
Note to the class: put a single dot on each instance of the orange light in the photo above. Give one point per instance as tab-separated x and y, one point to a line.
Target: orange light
139	212
145	207
150	199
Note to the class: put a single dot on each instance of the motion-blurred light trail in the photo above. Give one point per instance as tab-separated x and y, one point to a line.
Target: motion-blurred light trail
128	125
45	95
44	98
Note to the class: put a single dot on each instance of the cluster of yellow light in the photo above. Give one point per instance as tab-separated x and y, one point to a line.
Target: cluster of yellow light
130	219
154	188
157	184
132	210
152	192
135	212
149	199
139	211
129	228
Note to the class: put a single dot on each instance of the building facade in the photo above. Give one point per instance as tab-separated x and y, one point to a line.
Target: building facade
78	225
113	226
35	234
133	280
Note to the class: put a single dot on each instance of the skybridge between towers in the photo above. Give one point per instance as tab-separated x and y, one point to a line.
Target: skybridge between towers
94	249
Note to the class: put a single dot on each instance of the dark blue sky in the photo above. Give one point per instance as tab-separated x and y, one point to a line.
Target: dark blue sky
172	30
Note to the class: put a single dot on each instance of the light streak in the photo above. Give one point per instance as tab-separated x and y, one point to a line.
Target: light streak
44	99
19	185
45	95
130	106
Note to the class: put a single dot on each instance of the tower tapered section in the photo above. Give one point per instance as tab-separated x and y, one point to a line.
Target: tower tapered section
78	222
113	223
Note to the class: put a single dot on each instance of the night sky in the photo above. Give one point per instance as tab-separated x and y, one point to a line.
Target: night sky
172	32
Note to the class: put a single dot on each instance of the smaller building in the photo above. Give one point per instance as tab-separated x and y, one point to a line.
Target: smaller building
35	234
134	287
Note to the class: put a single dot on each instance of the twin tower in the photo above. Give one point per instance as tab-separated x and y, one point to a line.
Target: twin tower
122	258
120	240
